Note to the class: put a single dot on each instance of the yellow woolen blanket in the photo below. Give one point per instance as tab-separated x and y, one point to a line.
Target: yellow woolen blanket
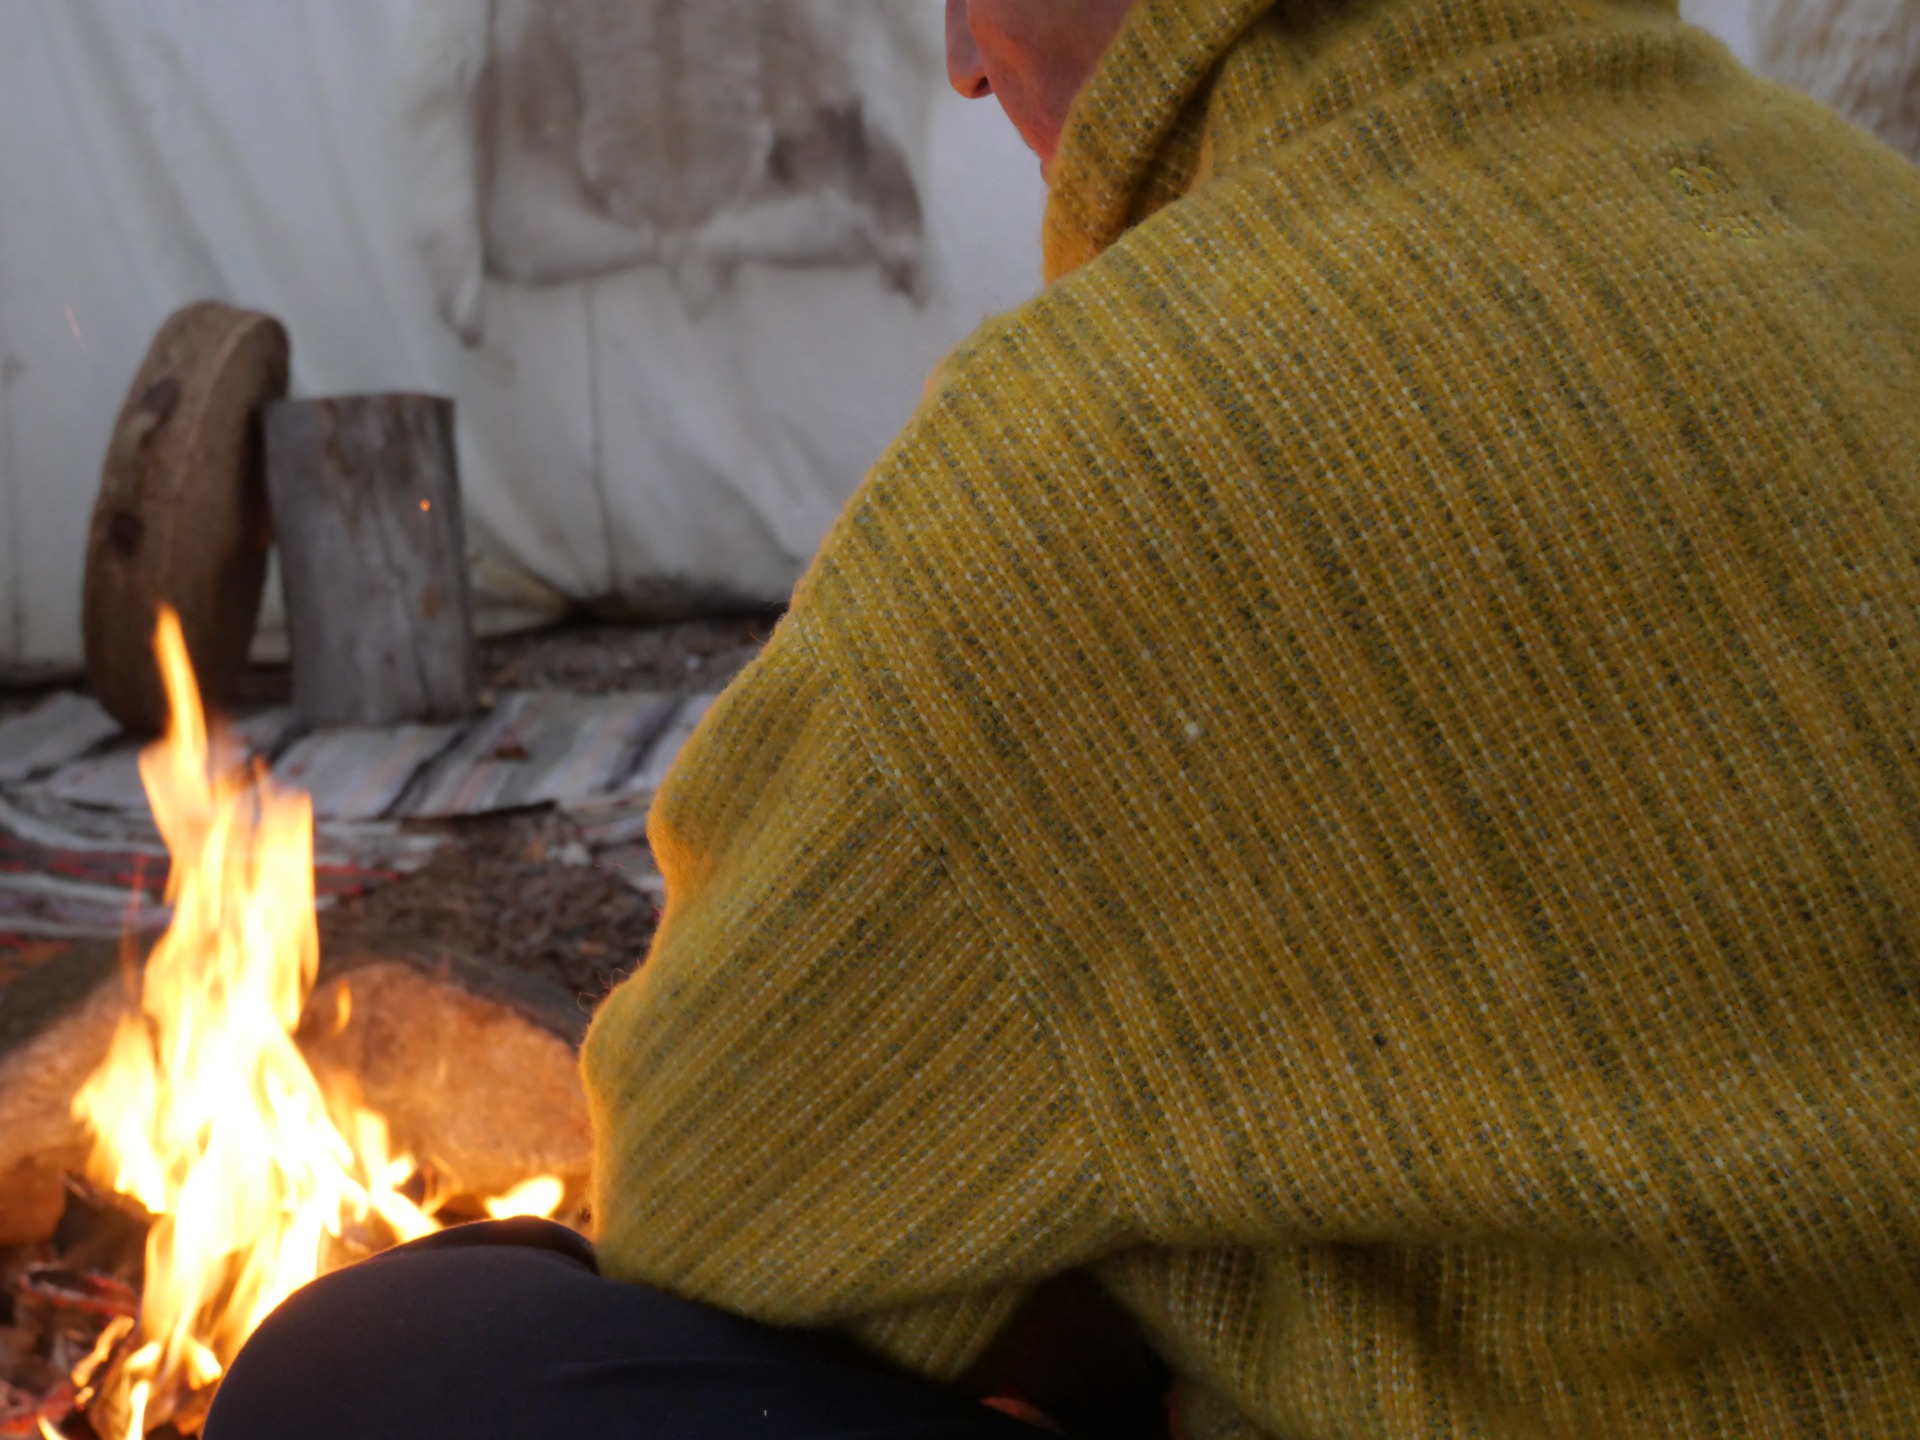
1353	771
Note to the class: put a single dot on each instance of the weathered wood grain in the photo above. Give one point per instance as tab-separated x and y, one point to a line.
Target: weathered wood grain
181	517
366	505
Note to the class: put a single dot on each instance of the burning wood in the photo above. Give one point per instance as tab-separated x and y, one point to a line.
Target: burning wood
205	1112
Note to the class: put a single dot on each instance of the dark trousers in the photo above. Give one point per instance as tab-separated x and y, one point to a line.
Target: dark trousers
504	1330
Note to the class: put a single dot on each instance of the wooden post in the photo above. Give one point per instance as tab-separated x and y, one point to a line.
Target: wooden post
366	510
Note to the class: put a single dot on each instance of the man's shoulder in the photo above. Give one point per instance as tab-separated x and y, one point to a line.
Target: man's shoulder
1531	319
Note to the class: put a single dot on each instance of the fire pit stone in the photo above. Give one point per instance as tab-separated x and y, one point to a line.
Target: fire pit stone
467	1085
40	1141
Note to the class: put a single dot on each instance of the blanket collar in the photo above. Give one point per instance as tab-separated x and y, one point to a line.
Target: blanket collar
1140	133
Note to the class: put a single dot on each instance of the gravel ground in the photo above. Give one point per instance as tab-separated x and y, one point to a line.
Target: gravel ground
699	655
516	889
589	659
506	889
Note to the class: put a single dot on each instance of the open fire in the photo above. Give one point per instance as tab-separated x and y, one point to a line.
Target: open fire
259	1178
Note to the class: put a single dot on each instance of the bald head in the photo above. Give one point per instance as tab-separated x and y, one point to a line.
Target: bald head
1033	55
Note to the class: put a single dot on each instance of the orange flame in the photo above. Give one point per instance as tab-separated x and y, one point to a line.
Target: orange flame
205	1110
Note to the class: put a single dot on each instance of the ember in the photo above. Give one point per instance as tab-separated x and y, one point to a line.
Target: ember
206	1114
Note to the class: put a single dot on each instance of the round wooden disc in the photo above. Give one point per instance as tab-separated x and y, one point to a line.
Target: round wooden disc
182	513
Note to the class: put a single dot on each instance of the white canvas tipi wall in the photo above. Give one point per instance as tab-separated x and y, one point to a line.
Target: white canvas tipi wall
659	406
675	348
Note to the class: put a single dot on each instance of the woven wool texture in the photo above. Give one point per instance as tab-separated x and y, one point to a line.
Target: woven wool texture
1353	771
